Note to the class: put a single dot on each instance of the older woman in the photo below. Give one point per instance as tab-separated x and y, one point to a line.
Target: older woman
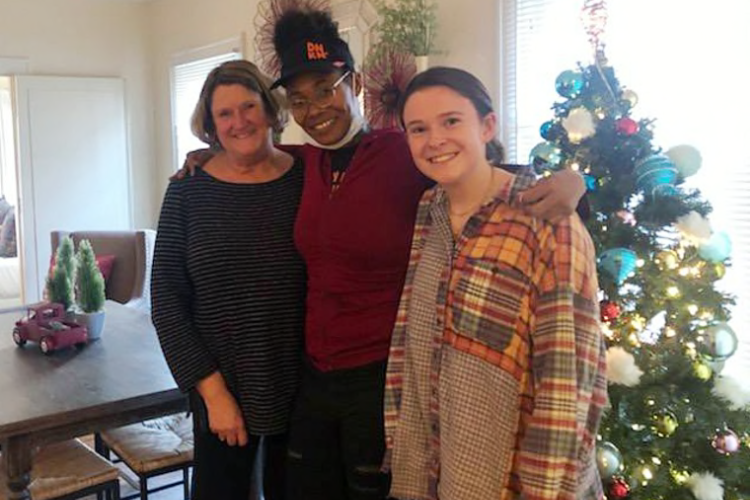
229	285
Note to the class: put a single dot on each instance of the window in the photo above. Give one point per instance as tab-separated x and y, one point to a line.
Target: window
683	59
189	71
7	145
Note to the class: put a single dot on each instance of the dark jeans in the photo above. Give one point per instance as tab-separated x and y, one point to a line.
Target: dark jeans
224	472
336	441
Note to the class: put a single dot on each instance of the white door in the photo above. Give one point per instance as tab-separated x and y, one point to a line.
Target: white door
73	164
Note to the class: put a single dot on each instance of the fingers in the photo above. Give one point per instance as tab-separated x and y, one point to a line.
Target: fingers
535	193
234	437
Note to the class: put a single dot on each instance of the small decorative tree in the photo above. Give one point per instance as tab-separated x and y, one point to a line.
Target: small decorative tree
60	288
89	281
60	282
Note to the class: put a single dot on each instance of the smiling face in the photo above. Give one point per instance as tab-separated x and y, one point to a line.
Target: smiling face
326	123
446	135
242	125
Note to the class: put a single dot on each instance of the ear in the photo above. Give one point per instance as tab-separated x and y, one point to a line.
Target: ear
489	127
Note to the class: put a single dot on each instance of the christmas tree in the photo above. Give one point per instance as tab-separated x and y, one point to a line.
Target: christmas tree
676	427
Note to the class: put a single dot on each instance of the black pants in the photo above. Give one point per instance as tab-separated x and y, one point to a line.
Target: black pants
224	472
337	441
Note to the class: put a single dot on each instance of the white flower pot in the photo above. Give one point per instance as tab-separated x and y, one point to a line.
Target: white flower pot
422	62
94	323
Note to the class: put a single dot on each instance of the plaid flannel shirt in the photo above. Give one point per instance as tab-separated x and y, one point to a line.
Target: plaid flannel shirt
497	356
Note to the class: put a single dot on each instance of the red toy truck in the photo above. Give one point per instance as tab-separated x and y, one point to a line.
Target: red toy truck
46	324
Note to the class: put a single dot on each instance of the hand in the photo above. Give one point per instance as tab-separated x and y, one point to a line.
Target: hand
225	419
194	159
554	197
224	414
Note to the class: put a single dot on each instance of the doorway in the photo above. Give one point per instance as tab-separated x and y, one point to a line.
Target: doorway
10	268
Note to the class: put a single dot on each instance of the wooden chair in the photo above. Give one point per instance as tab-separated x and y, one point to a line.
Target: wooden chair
152	448
69	470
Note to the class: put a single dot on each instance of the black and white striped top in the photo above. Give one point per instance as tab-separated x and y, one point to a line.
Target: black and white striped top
228	290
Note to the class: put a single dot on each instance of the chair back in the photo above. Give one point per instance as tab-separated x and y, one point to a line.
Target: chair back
129	280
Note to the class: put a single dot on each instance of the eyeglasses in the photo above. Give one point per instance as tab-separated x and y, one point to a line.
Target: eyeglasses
322	97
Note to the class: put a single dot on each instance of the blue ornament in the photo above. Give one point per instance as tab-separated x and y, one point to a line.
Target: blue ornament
655	175
546	130
545	156
618	263
591	182
569	83
718	248
718	342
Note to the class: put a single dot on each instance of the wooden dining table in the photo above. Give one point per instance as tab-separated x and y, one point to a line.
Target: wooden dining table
119	379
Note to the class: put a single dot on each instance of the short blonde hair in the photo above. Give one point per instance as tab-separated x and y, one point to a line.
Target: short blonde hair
249	76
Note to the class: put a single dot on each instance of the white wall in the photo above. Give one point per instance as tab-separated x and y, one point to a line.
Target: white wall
92	38
177	26
469	36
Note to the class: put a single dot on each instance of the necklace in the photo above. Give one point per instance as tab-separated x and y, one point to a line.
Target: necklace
472	208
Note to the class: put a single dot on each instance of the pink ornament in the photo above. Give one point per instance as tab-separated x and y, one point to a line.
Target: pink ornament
609	310
626	126
726	442
627	217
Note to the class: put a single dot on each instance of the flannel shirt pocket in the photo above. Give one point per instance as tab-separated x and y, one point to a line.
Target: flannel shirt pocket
487	299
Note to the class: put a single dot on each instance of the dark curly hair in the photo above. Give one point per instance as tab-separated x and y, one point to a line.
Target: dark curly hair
296	25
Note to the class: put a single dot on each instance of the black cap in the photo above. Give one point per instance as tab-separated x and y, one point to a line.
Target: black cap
314	54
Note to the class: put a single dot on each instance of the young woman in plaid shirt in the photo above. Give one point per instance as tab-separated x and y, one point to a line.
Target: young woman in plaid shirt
496	376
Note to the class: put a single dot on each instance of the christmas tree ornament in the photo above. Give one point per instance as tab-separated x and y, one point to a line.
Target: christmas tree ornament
652	331
665	423
579	124
547	130
717	342
643	474
718	248
655	174
720	269
545	156
726	442
609	310
591	182
694	228
702	371
627	217
569	84
621	368
686	158
386	76
619	263
608	459
626	126
705	486
667	259
594	19
630	97
618	488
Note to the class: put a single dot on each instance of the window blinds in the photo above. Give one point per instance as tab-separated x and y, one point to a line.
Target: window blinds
187	81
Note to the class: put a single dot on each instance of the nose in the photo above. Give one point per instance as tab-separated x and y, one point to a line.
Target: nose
239	120
435	140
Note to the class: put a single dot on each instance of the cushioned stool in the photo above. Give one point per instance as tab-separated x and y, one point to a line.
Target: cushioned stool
152	448
70	470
